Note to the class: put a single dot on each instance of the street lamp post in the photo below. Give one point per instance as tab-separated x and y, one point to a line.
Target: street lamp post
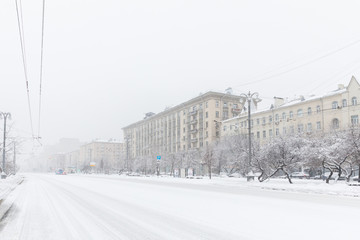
250	97
5	116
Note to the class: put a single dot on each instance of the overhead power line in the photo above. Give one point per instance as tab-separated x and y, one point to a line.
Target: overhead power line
41	63
23	53
301	65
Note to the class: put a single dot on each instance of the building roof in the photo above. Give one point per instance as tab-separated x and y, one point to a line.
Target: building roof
185	104
298	100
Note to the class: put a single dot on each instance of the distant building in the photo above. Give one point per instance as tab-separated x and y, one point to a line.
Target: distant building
104	154
338	109
53	156
189	125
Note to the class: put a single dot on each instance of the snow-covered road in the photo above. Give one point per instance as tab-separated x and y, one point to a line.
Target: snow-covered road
95	207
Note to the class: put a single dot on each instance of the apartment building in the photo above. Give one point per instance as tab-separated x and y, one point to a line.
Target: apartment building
189	125
109	153
338	109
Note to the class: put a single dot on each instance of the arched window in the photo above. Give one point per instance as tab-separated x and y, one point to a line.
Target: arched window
300	113
283	116
309	111
334	105
354	101
344	103
276	117
291	114
270	118
335	123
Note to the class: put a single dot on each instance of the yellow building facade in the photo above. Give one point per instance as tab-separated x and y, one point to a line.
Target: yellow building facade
338	109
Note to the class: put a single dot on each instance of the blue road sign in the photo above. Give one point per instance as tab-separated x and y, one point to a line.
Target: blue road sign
158	157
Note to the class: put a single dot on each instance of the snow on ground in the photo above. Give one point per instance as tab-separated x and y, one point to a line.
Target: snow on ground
8	184
122	207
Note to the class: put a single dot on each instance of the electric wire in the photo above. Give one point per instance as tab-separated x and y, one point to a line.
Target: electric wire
41	65
22	43
301	65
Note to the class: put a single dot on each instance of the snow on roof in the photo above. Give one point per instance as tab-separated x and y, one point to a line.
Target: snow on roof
294	101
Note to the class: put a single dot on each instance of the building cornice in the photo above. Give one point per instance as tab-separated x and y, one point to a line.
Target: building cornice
184	105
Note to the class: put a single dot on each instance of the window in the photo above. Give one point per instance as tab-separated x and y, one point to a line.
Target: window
318	125
284	130
224	128
270	119
206	114
217	114
206	134
291	115
277	132
355	120
334	105
344	103
284	116
264	134
183	129
300	128
276	117
335	123
257	121
258	134
318	109
309	111
354	101
206	104
206	124
184	112
270	133
217	104
309	128
225	104
292	131
263	120
300	113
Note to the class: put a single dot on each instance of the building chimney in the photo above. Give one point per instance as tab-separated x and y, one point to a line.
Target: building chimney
340	86
278	102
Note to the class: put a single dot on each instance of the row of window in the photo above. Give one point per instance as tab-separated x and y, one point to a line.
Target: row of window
335	124
291	130
335	104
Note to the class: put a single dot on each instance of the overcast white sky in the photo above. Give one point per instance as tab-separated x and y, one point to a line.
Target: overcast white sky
108	62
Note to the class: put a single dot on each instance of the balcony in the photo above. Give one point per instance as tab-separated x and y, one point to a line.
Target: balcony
236	110
193	131
192	113
193	121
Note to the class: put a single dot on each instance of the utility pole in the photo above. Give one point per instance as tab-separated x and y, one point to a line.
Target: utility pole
5	116
254	97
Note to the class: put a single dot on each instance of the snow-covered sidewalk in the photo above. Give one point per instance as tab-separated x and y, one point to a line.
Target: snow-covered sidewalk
6	186
340	188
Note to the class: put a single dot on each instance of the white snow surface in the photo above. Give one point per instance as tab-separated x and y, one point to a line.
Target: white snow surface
48	206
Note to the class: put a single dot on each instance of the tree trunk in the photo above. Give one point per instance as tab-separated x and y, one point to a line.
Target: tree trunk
287	176
328	178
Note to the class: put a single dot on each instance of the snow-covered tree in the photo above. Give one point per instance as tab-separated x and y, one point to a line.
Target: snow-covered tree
280	154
